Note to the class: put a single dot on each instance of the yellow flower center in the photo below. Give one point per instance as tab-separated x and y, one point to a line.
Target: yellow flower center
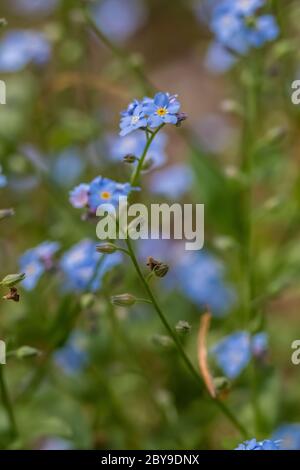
161	111
105	195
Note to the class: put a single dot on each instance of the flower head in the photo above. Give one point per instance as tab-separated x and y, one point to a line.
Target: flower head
133	118
36	261
253	444
106	191
162	110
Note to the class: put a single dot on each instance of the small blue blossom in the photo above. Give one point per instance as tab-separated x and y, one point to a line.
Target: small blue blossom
133	118
73	356
234	352
19	48
253	444
265	29
162	110
36	261
118	19
106	191
67	167
135	143
201	277
84	268
172	182
289	435
79	196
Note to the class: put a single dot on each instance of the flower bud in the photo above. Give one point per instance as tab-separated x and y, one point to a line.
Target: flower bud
130	158
123	300
25	351
222	386
157	267
183	327
180	118
106	248
12	279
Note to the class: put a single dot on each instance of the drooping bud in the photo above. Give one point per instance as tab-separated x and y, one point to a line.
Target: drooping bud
183	327
159	268
106	248
12	279
123	300
130	158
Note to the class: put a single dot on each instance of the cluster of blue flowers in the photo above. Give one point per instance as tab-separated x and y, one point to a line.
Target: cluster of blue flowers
253	444
100	191
234	352
238	27
81	267
150	113
19	48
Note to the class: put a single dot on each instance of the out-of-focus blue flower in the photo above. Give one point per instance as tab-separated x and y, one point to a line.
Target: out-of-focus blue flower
36	261
73	356
67	167
201	278
120	19
33	7
259	344
79	196
239	32
133	118
106	191
289	435
162	110
218	59
172	182
264	30
135	143
19	48
234	352
84	268
253	444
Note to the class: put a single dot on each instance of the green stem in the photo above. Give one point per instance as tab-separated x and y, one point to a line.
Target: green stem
129	62
178	344
136	174
7	404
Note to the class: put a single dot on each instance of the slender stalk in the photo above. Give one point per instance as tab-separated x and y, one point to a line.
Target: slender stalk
7	404
178	344
133	66
136	174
